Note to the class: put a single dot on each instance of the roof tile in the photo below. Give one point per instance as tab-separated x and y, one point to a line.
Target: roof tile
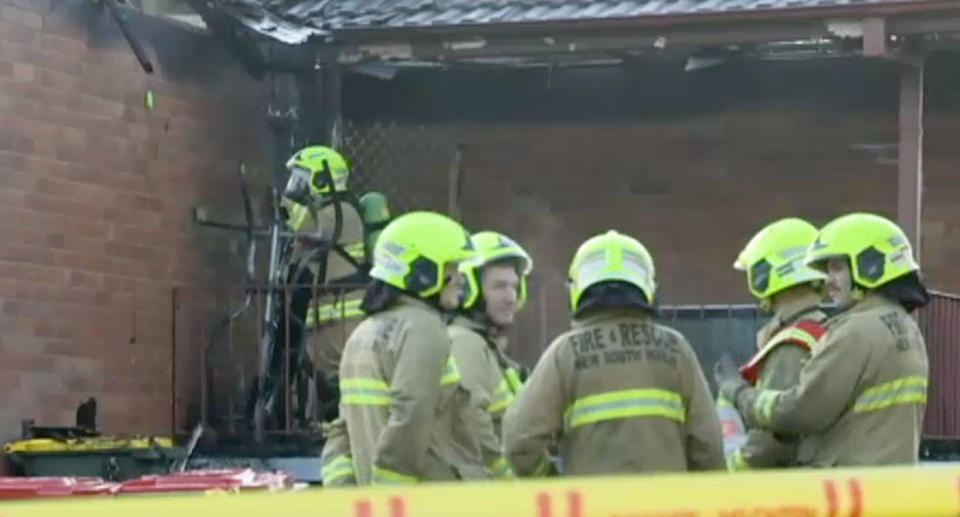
293	21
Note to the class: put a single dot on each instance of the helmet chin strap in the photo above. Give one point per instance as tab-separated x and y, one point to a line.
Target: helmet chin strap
766	304
480	315
857	293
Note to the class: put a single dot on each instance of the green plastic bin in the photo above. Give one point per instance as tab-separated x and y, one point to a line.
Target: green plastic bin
113	459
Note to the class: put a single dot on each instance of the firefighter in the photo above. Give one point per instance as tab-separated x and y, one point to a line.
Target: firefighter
336	459
496	289
773	261
405	414
861	397
315	192
622	393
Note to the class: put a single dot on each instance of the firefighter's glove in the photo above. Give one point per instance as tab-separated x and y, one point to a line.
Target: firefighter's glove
729	381
326	428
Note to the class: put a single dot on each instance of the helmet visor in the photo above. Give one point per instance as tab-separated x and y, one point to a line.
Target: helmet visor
298	186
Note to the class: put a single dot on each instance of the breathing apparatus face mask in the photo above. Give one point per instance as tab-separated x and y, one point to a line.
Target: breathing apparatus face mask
298	185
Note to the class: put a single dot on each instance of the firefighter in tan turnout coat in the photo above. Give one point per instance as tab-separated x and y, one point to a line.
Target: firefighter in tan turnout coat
861	397
405	417
773	261
619	392
496	289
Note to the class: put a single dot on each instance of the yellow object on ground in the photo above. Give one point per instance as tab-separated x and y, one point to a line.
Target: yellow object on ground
85	444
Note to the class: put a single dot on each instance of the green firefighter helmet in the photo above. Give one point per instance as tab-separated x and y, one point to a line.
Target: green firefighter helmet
611	257
414	249
315	170
877	249
774	258
494	247
375	211
375	208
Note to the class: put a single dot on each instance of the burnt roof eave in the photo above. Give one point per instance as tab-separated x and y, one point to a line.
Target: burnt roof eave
772	16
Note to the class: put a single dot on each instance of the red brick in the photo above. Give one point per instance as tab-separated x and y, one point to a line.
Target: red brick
89	262
23	73
10	380
13	308
71	117
95	194
35	364
118	284
128	91
31	272
133	251
61	399
13	197
51	329
130	200
79	228
64	46
86	298
6	69
62	206
26	254
53	416
37	6
84	384
18	136
17	33
102	107
21	16
85	280
26	292
37	310
33	101
21	54
132	217
56	240
83	308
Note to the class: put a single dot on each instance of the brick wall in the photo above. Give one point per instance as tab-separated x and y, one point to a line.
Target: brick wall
95	206
691	163
940	240
96	191
693	189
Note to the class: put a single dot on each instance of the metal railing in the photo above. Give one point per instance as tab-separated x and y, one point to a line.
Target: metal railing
216	369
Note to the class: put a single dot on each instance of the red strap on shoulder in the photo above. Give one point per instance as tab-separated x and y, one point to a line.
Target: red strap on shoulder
811	327
751	370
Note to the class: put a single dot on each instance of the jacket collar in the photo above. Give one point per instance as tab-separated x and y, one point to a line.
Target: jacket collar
608	315
489	332
789	312
406	300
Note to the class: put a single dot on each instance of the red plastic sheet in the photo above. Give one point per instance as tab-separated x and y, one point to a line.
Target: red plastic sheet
233	480
204	480
30	487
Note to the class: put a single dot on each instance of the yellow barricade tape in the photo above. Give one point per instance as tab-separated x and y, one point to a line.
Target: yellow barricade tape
880	492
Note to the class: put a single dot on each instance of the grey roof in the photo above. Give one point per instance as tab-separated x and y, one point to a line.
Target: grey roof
293	21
